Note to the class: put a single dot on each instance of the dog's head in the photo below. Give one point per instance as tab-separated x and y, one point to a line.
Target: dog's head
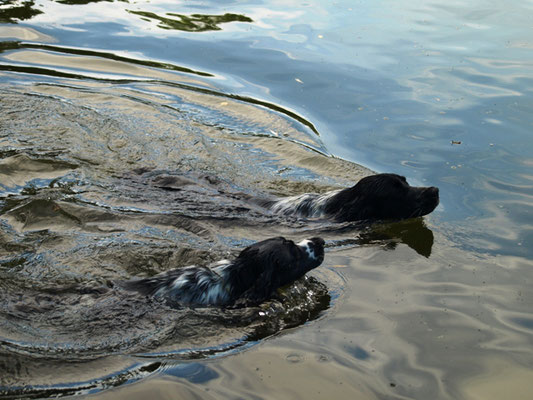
272	263
384	197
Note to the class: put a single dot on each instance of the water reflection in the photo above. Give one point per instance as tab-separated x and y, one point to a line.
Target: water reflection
12	11
6	46
82	2
191	23
414	233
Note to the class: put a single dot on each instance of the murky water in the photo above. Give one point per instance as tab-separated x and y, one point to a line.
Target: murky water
132	135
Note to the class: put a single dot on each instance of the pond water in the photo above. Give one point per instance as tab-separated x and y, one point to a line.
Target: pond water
102	101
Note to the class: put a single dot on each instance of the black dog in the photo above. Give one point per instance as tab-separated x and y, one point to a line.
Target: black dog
249	279
376	197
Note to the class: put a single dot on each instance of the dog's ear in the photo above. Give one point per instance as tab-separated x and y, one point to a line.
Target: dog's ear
357	208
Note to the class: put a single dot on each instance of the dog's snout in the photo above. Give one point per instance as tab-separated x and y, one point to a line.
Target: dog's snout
314	247
432	191
319	242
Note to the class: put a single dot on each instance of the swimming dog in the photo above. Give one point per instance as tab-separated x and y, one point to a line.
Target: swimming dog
251	278
375	197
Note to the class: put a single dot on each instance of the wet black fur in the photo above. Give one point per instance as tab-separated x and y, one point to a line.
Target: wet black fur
382	197
251	278
375	197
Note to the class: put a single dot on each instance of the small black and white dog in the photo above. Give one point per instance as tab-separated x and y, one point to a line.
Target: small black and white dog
251	278
376	197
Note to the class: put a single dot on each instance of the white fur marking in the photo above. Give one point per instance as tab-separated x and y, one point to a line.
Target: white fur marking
288	204
317	203
214	294
306	245
179	282
220	266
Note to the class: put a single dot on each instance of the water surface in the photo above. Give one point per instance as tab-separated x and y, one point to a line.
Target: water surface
101	102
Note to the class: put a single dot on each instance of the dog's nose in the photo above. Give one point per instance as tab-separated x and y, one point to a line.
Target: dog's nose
318	242
318	245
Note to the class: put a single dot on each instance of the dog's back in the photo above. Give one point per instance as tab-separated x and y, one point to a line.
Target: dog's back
188	285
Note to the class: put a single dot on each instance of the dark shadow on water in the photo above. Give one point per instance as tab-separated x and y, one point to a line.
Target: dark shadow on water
191	23
13	11
83	2
413	233
16	45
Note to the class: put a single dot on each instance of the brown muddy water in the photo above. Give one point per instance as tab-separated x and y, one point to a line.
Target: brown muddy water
132	134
